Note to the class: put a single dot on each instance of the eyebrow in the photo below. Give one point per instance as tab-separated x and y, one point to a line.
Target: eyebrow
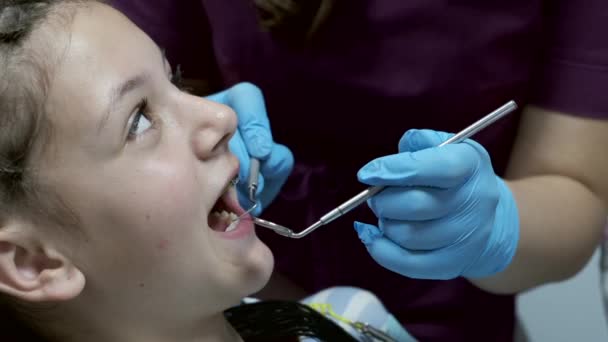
117	93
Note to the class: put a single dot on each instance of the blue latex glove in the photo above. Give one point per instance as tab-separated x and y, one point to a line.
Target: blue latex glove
254	139
444	212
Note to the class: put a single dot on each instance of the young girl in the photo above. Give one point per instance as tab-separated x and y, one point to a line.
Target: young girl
117	213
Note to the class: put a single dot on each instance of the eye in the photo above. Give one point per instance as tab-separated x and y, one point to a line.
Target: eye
141	121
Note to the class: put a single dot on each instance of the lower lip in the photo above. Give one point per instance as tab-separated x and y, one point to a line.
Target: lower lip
243	229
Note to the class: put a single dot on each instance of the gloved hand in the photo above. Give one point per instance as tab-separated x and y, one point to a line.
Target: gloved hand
444	212
254	139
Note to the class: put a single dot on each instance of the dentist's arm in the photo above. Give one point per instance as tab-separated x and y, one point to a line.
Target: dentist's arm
558	174
445	213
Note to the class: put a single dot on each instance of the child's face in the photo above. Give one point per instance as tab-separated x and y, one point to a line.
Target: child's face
142	164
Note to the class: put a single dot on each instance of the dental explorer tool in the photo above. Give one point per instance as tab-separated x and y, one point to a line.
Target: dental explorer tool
371	191
252	183
252	186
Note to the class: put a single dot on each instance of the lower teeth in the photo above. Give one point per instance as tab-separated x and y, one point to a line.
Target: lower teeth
233	225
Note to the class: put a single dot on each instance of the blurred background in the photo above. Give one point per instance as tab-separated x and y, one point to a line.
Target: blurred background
569	311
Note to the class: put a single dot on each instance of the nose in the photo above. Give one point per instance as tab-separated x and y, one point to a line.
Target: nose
214	125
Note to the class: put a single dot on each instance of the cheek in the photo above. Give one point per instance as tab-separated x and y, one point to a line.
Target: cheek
159	205
160	228
169	191
168	203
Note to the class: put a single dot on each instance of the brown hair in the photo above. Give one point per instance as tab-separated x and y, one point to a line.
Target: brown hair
25	74
23	87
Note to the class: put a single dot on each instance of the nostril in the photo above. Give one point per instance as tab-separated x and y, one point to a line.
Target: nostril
222	144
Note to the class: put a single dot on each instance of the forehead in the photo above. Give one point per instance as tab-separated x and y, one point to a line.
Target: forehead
102	35
101	48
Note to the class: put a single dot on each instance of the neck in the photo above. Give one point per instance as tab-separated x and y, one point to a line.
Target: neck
102	328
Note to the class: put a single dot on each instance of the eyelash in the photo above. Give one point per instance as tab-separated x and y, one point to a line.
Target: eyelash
142	108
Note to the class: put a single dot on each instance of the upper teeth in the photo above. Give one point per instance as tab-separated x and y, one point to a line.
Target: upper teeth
228	217
225	215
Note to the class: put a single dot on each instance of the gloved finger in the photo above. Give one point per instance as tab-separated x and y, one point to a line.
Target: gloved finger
414	203
247	101
246	203
442	167
415	140
421	235
237	147
419	139
413	264
279	164
275	170
243	195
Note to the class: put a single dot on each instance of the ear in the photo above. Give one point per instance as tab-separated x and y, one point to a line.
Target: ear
33	270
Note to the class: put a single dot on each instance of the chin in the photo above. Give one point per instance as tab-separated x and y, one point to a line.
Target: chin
245	272
258	270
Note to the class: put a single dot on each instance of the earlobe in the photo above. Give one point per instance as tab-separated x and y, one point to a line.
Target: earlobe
33	272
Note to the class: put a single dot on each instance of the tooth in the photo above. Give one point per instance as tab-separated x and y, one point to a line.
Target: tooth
232	226
233	216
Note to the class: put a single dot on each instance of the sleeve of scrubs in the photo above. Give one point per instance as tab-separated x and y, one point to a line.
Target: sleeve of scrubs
572	76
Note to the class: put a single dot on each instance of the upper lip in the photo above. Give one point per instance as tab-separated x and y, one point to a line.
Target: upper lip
233	175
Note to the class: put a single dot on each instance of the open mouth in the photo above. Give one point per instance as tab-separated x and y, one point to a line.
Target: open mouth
223	217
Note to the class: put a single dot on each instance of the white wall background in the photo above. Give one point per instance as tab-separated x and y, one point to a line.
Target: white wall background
571	311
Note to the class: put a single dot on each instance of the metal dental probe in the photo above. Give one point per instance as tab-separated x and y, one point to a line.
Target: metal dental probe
252	182
252	185
371	191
